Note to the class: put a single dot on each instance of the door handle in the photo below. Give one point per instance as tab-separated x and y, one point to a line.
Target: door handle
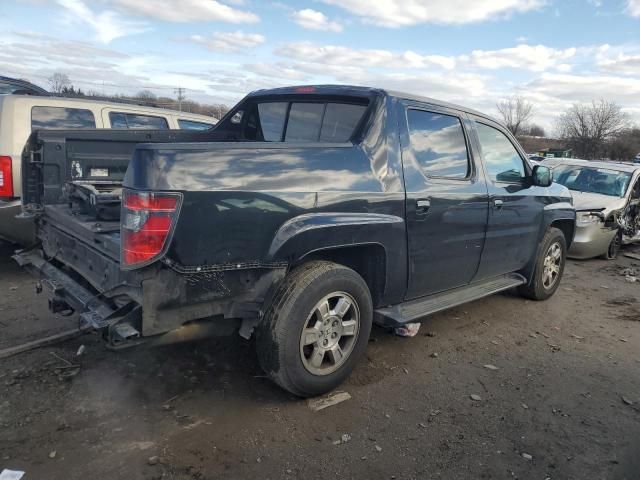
497	203
422	206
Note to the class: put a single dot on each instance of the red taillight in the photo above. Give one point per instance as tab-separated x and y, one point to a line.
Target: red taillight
146	222
6	176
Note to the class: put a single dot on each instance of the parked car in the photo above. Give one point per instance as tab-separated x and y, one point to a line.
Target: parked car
21	114
16	86
305	215
536	158
607	200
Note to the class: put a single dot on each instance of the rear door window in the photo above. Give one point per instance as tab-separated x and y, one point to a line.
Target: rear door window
60	117
438	144
193	125
137	121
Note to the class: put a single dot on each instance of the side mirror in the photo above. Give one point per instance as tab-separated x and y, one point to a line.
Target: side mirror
542	176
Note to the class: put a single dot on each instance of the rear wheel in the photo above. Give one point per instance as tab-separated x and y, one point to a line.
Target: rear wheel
316	328
549	267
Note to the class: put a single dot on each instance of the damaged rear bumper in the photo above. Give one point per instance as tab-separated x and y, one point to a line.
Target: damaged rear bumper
157	299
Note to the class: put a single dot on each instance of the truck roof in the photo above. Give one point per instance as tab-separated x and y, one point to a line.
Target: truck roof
363	91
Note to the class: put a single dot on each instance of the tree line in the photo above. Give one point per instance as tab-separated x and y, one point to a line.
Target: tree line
61	84
596	130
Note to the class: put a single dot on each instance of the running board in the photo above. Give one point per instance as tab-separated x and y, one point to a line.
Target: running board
414	309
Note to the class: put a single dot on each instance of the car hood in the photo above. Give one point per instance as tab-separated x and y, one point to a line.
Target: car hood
596	201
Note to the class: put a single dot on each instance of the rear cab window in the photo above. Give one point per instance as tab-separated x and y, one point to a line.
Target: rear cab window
296	121
61	118
136	121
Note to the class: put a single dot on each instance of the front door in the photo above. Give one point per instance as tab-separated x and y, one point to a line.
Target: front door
447	200
516	206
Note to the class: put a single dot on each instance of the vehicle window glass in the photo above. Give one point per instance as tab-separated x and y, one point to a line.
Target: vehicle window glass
501	157
118	120
272	115
340	120
304	122
602	181
139	122
60	117
192	125
438	144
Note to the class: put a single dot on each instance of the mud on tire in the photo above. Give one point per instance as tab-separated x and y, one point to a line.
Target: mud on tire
553	250
299	305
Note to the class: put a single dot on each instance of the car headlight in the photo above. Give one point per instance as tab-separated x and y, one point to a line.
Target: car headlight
587	218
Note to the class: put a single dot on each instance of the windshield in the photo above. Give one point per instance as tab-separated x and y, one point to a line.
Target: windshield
593	180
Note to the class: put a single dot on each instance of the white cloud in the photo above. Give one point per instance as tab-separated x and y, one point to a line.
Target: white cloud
346	56
186	11
229	41
623	59
536	58
314	20
397	13
107	24
276	70
633	7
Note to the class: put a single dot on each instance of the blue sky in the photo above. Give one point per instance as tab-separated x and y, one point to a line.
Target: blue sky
474	52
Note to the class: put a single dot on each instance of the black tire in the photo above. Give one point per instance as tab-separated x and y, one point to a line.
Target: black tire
278	337
536	289
614	247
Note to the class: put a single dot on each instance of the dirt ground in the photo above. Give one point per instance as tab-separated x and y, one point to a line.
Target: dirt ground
563	403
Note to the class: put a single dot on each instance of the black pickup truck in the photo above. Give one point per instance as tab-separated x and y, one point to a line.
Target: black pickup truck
307	214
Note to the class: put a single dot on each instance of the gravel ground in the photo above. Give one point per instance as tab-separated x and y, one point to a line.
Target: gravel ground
563	401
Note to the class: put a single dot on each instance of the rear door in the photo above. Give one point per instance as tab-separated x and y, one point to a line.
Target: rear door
515	205
446	199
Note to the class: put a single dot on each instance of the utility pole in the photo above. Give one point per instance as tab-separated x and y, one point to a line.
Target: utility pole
181	96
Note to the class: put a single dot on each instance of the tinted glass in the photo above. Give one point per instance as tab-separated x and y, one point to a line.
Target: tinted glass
138	122
304	122
272	117
438	144
118	120
59	117
501	157
340	120
191	125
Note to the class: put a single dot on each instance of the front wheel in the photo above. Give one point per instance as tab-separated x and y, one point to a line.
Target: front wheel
614	247
549	267
316	328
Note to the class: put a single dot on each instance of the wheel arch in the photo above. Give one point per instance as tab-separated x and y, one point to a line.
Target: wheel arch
369	260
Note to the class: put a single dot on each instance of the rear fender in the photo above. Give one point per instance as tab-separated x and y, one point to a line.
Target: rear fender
306	236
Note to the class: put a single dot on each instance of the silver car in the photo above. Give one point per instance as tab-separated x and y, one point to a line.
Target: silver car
606	196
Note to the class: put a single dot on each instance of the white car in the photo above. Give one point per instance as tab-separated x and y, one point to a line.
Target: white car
22	114
606	196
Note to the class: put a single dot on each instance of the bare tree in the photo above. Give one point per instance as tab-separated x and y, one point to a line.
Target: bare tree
515	112
146	95
534	130
58	82
588	127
